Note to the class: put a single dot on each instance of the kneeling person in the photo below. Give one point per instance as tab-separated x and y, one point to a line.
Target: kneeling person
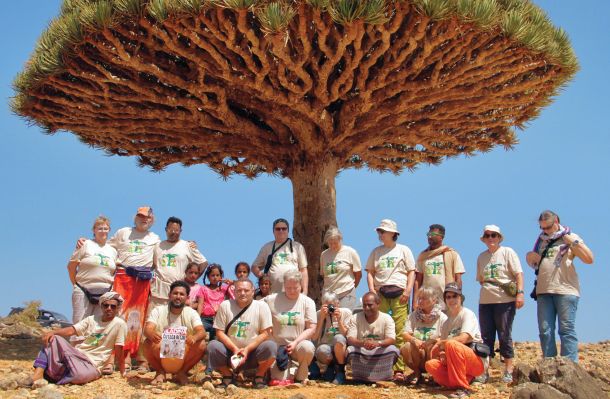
371	337
62	363
175	314
243	330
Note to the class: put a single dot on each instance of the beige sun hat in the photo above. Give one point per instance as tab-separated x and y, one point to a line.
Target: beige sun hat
494	229
388	225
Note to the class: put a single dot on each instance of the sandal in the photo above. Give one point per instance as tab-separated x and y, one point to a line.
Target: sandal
108	369
398	376
413	379
127	367
259	383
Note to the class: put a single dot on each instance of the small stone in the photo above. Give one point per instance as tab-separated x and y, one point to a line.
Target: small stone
208	386
15	369
298	396
385	384
294	386
40	383
21	394
156	391
102	396
24	380
232	389
138	395
49	392
206	394
9	383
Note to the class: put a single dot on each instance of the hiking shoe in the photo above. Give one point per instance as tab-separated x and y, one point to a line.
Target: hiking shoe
460	393
339	378
482	379
507	377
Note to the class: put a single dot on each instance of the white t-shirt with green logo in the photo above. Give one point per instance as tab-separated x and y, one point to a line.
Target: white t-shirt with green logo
290	315
561	279
171	260
163	318
424	331
96	266
380	329
134	248
100	337
465	321
391	265
433	270
501	267
331	326
338	269
247	327
283	260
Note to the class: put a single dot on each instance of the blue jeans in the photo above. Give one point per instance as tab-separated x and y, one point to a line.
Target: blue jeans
559	307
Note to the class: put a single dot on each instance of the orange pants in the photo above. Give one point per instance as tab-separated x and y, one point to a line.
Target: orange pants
462	365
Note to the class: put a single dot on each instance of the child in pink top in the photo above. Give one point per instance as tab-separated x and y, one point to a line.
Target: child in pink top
211	295
191	275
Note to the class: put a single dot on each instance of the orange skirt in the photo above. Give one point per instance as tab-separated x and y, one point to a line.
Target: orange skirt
461	367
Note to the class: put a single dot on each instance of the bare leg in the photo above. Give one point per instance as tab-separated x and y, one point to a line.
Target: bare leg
508	365
152	353
263	366
192	356
159	378
340	352
38	374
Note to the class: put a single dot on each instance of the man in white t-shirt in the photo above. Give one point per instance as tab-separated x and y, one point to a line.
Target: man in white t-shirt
62	363
280	256
557	288
176	314
243	331
438	265
171	257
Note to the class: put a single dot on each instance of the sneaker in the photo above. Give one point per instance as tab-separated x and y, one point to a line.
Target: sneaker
339	378
460	393
482	379
507	377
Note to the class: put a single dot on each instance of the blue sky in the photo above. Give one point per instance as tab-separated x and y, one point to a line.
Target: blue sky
54	187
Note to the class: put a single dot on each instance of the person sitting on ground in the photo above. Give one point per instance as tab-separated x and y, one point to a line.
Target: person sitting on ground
371	336
243	330
62	363
420	333
264	287
211	295
453	362
174	315
294	323
330	334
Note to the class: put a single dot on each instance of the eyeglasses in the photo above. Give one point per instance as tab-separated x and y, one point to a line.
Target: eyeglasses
281	228
451	296
434	234
491	235
550	226
109	305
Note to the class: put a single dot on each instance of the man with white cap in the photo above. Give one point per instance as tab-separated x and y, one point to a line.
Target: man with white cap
438	265
391	273
62	363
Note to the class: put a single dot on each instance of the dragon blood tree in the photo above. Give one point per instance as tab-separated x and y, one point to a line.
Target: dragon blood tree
300	89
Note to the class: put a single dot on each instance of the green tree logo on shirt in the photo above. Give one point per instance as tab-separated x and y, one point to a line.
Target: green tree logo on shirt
169	260
94	339
454	333
550	254
332	331
241	329
371	336
103	259
424	333
434	268
136	246
331	268
491	270
288	318
282	258
387	262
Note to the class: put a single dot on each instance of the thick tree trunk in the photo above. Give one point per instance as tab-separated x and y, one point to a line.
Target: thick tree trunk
315	210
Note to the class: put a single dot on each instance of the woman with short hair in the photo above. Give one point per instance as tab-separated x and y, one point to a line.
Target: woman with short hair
341	269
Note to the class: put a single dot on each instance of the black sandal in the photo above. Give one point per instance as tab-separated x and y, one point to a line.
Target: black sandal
226	381
259	383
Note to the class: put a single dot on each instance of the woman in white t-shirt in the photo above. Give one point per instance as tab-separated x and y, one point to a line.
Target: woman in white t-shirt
341	269
91	270
501	277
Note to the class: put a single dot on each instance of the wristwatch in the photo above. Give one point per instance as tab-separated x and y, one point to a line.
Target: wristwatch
574	243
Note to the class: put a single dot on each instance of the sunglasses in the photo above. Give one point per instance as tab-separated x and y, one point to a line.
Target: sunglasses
491	235
281	228
433	234
547	227
109	305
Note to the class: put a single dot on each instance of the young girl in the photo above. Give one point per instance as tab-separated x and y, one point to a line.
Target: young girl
191	275
211	295
264	287
242	270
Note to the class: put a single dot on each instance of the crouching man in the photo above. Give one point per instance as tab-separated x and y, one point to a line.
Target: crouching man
243	332
371	336
62	363
174	315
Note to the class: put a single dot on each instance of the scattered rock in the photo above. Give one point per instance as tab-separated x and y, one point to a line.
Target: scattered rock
385	384
20	331
232	389
156	391
523	373
208	386
49	392
138	395
24	380
40	383
102	396
531	390
298	396
9	383
568	377
294	386
21	394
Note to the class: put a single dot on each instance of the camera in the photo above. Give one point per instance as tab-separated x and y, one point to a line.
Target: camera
331	309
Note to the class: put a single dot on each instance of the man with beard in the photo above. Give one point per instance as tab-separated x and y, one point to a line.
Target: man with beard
243	329
175	314
171	257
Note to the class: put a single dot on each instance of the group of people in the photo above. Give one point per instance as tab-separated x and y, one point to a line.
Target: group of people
412	314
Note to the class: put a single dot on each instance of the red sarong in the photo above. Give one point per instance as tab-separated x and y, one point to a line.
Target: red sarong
135	293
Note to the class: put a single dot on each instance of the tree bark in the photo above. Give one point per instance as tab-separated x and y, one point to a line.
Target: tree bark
315	209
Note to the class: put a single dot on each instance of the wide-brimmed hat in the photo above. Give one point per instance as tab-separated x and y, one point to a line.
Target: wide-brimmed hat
494	229
388	225
144	211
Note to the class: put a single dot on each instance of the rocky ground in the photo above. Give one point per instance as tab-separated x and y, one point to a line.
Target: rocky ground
19	345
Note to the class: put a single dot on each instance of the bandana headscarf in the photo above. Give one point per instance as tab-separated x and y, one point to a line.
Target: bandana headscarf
111	295
430	317
543	240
